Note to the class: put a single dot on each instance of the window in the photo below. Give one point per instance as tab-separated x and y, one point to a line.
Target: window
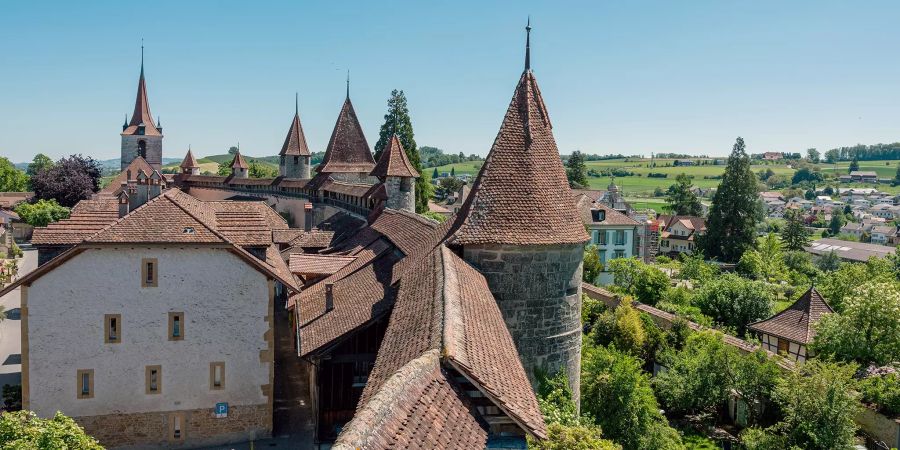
112	333
86	383
603	238
176	426
620	237
619	254
176	326
296	160
217	375
153	375
149	272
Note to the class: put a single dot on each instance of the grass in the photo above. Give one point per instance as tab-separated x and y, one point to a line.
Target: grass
698	442
211	163
468	167
884	168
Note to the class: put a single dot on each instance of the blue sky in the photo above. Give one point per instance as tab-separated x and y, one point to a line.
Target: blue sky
618	77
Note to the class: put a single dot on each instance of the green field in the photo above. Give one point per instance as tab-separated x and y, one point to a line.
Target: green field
469	167
885	169
211	163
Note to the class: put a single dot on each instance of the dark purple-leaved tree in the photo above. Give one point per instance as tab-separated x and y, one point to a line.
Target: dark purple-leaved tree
71	180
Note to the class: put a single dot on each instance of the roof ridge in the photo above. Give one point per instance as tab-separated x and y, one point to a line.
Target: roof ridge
120	219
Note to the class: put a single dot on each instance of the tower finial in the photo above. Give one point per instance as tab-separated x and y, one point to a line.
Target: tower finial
142	57
296	103
528	44
348	84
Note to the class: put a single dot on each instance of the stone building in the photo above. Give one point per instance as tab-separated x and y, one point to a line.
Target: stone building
295	155
175	304
141	137
398	176
347	157
239	166
189	165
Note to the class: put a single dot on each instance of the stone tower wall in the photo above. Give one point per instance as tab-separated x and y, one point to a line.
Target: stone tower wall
401	193
538	290
131	146
299	170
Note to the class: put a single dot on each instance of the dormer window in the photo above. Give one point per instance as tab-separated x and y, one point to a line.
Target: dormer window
188	230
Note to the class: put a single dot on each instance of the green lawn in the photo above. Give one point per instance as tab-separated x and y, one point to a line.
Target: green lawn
469	167
885	169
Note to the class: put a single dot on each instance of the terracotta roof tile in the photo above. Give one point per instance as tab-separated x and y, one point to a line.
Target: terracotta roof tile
598	213
136	166
419	407
239	162
521	195
189	161
295	142
404	229
347	149
160	220
286	236
394	162
315	264
86	218
797	322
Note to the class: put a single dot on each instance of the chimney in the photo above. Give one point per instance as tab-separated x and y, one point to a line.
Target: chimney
123	200
329	296
307	217
156	181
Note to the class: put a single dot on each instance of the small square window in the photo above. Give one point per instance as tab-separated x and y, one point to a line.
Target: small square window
149	272
85	384
153	376
112	328
176	326
216	375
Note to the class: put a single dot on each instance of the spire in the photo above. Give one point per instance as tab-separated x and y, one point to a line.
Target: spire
347	150
348	83
528	45
295	142
141	115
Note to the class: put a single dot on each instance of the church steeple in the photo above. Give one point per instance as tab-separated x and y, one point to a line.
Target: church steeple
141	136
141	117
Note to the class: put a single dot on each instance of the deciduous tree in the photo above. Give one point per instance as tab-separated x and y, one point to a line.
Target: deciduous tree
11	179
735	301
39	163
41	212
868	329
69	181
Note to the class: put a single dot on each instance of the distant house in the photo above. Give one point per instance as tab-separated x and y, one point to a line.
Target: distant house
681	163
845	178
771	195
772	156
614	233
883	235
823	200
678	233
789	332
860	176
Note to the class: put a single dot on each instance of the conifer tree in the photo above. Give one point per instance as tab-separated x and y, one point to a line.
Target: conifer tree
731	227
576	171
434	174
854	165
681	200
794	235
397	121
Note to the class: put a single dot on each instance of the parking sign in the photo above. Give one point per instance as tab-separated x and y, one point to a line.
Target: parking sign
221	410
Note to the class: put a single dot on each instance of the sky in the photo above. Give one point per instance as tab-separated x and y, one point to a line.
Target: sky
617	77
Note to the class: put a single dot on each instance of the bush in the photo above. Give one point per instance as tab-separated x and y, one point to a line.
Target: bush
590	310
575	437
646	283
733	301
42	212
12	396
24	430
883	392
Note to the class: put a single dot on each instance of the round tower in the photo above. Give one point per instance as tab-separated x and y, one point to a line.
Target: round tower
398	175
295	155
520	228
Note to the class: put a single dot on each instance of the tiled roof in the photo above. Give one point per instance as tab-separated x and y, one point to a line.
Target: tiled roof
10	199
189	161
419	407
690	222
404	229
141	114
160	220
445	305
287	235
522	195
362	293
394	162
347	149
295	142
797	322
315	264
238	162
136	166
85	219
351	189
609	217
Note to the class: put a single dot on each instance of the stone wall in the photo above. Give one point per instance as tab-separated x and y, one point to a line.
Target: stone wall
300	170
131	146
201	428
401	193
538	290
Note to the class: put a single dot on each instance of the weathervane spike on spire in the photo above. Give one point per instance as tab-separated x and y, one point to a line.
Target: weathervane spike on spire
348	84
528	44
296	103
142	57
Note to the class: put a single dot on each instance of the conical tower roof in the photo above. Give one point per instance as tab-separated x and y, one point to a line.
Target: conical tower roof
347	149
394	162
189	161
238	162
521	195
295	142
141	114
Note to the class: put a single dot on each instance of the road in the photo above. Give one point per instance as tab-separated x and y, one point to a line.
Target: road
10	329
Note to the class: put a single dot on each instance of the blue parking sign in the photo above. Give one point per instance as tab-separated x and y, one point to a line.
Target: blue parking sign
221	410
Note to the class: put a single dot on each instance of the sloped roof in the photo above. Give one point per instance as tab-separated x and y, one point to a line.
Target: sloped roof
796	323
347	149
444	305
394	162
521	195
189	161
295	142
419	407
405	230
306	263
141	114
238	162
136	166
160	220
609	217
86	218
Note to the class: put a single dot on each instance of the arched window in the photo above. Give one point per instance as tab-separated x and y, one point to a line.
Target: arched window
142	149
